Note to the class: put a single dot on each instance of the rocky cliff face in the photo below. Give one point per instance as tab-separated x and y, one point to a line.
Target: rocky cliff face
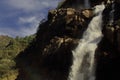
49	56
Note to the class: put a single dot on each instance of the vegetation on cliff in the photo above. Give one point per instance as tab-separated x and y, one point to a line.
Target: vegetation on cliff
9	49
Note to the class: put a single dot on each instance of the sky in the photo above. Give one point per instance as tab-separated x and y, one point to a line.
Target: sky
22	17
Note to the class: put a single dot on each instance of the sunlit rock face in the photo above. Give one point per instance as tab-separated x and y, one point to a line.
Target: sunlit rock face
49	56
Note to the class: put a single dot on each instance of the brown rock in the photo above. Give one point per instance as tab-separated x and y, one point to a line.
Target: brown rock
70	11
87	13
50	55
110	34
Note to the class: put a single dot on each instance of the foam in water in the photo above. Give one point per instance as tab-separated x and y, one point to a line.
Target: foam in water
83	67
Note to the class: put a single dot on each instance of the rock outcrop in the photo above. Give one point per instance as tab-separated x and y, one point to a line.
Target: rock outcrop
49	56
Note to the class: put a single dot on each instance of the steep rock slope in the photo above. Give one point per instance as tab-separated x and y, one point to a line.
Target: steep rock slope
50	53
49	56
108	67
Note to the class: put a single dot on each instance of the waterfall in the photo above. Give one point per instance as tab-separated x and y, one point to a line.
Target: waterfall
83	67
86	3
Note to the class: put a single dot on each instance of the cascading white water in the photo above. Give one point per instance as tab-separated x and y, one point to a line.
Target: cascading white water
83	56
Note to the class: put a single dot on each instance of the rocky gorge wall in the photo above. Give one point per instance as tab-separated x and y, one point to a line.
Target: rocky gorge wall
49	56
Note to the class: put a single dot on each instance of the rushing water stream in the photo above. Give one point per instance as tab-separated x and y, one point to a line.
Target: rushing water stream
83	67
